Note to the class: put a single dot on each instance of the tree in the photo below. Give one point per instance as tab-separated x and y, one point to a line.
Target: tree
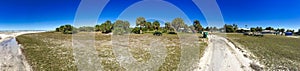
140	21
258	29
57	29
121	27
97	28
235	27
207	29
253	29
282	30
229	28
66	29
156	25
298	32
197	26
269	28
178	24
290	31
149	26
106	27
168	26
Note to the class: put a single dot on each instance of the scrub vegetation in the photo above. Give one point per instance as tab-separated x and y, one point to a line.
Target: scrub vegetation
53	50
275	52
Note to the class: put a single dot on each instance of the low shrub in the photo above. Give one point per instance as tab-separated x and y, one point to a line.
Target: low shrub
156	33
172	33
135	30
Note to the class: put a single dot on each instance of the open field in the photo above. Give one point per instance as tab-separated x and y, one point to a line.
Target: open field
275	52
53	51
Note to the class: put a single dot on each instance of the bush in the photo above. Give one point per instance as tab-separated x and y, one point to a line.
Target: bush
135	30
70	32
156	33
66	29
144	29
164	31
172	33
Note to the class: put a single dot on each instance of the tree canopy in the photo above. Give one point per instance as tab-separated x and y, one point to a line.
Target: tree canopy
121	27
105	27
197	26
140	21
179	25
156	25
66	29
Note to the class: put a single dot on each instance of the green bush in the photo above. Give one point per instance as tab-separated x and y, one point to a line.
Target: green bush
144	29
66	29
135	30
172	33
164	31
156	33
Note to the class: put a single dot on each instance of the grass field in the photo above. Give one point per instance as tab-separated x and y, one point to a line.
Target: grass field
53	51
275	52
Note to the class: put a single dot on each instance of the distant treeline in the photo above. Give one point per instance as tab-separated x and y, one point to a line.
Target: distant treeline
142	26
234	28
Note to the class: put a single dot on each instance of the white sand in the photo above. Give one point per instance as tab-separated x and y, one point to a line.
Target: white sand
222	55
12	58
4	36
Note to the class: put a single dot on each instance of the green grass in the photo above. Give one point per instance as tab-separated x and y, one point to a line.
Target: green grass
275	52
53	51
42	54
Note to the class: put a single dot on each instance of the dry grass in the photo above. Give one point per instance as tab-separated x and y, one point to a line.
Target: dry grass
53	51
275	52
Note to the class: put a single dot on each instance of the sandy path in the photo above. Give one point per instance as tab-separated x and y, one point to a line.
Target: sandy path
221	55
11	57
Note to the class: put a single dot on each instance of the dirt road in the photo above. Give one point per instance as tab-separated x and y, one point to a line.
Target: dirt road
221	55
11	56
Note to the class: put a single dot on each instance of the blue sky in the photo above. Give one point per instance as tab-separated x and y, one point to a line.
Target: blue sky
49	14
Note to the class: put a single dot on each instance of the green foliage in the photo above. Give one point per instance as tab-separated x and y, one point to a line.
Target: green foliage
157	33
149	26
269	28
172	32
135	30
290	31
97	28
168	26
298	32
105	27
179	25
66	29
253	29
156	25
229	28
197	26
121	27
140	21
144	29
258	29
164	31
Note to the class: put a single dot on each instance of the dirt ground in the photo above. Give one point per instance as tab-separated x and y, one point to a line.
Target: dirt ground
222	55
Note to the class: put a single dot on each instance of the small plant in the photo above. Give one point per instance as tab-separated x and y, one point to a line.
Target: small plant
156	33
172	33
